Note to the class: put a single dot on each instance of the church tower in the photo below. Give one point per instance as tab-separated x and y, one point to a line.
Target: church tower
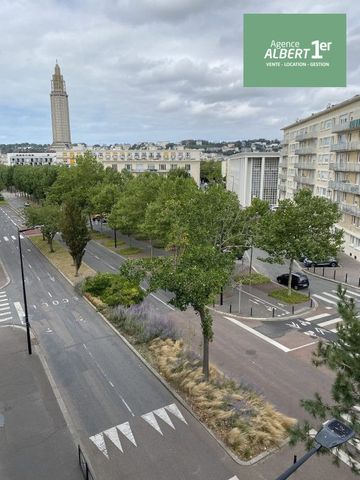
59	111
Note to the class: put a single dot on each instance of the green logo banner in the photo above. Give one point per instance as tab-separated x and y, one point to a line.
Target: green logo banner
294	50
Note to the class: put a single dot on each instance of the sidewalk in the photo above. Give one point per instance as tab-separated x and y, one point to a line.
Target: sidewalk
34	439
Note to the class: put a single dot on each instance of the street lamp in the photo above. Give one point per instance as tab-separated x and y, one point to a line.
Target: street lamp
27	323
333	434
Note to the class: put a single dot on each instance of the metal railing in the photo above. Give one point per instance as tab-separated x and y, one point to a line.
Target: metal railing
305	180
306	135
84	465
345	166
345	147
344	186
305	165
305	151
350	209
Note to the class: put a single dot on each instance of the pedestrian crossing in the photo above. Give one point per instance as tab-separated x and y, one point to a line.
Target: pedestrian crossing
5	310
331	297
326	323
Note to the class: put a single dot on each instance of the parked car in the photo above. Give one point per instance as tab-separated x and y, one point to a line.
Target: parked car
329	262
298	280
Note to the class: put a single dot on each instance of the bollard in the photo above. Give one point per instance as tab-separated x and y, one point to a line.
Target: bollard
323	271
335	275
213	304
359	281
293	309
295	458
346	277
311	302
221	296
251	311
273	312
230	308
314	268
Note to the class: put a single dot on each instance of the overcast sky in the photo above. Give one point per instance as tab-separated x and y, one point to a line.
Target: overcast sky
150	69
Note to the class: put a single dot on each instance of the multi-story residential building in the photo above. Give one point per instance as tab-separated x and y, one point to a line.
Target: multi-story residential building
32	159
252	174
151	159
322	153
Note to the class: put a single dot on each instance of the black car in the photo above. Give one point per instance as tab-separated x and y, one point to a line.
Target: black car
298	280
329	262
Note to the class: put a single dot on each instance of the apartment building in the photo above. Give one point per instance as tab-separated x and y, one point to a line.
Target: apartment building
151	159
31	158
252	174
322	153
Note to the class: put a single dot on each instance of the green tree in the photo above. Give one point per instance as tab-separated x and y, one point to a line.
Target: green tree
210	171
303	225
48	217
74	231
199	274
342	358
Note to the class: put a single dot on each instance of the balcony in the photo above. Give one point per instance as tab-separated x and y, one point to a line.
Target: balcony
306	151
345	147
345	127
345	186
305	165
304	180
345	167
350	209
283	176
306	136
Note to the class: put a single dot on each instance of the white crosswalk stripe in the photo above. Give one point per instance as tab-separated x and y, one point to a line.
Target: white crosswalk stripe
331	296
324	299
317	317
330	322
352	294
6	239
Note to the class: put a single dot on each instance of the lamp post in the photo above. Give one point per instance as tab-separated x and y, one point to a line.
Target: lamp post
333	434
27	323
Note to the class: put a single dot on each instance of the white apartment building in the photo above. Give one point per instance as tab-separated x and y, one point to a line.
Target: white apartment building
322	153
151	159
252	174
48	158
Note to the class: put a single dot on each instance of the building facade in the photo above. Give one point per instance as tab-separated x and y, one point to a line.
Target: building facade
151	159
59	111
32	159
322	153
251	175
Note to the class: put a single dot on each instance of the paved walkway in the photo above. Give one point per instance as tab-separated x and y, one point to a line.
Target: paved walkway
35	442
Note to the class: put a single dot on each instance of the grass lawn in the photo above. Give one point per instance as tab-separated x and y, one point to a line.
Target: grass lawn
130	251
106	240
3	202
61	259
252	279
282	294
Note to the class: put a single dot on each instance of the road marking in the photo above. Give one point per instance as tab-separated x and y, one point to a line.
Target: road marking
4	313
353	293
172	408
29	265
5	319
162	413
317	317
260	335
162	301
234	478
20	311
330	322
328	308
6	239
99	441
151	420
265	303
126	430
114	437
50	294
22	236
13	237
324	299
331	295
302	346
3	304
4	308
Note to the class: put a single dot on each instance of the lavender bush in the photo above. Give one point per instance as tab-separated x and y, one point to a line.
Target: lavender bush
143	323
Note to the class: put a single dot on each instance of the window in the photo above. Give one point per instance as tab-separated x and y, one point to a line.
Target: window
173	167
128	166
162	166
187	167
114	167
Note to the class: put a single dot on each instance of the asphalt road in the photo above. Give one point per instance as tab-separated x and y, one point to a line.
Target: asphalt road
283	376
103	384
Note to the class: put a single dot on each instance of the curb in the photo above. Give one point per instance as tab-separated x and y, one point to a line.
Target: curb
308	272
164	383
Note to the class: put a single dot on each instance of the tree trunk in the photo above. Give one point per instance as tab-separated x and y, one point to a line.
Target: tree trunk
206	326
91	224
290	275
50	242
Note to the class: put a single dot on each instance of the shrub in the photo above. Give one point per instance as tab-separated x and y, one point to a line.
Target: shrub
252	279
282	294
114	289
130	251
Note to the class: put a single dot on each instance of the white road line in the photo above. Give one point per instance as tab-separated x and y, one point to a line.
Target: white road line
29	265
5	319
3	313
4	308
330	322
6	239
324	299
20	311
353	293
331	295
258	334
303	346
317	317
50	294
333	330
21	236
13	237
159	299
